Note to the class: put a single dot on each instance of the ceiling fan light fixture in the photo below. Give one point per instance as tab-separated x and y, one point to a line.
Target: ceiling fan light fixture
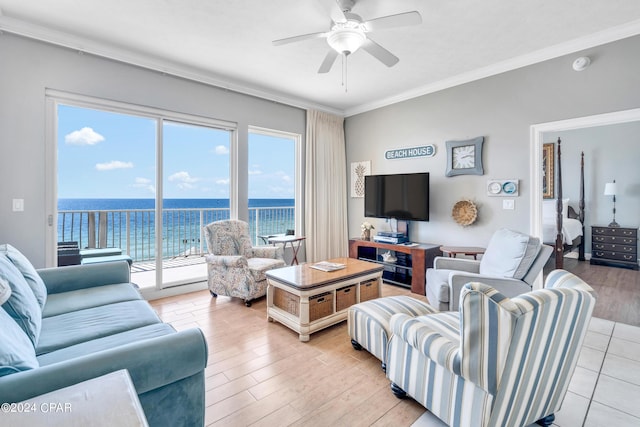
346	40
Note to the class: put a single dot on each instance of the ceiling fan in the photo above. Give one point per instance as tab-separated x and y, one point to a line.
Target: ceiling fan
349	32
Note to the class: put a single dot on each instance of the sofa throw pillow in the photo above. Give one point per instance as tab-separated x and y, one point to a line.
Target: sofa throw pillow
509	254
22	305
16	352
28	271
5	291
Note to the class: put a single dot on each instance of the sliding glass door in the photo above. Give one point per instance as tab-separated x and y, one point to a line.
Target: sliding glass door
138	182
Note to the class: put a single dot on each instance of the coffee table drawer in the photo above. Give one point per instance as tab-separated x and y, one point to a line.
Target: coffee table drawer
320	306
286	301
345	297
369	290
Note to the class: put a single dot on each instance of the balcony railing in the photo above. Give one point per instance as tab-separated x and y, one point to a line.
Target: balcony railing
134	230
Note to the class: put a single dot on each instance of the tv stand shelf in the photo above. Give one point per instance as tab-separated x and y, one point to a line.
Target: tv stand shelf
411	275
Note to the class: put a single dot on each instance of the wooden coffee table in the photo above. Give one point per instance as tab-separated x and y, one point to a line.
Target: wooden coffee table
306	300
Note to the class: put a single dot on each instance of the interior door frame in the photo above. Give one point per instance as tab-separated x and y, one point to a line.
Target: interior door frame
535	149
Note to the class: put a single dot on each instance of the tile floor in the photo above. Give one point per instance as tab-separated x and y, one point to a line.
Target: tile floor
605	388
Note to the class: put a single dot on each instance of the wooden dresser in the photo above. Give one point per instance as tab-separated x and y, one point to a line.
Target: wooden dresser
614	246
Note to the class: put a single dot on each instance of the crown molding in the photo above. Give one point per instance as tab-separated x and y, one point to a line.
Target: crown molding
596	39
82	45
105	50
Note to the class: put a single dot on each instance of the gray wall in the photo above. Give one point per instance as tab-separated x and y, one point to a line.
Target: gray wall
501	108
29	67
610	152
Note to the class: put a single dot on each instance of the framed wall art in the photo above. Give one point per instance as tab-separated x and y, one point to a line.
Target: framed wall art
358	171
548	170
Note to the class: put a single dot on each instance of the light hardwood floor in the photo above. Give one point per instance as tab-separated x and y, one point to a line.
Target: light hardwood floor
260	374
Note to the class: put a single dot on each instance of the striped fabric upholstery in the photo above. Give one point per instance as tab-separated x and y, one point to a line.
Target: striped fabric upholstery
513	359
368	322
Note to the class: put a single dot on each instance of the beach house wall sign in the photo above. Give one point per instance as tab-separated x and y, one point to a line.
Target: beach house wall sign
410	152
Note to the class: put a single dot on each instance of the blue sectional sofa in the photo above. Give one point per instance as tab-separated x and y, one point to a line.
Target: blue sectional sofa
61	326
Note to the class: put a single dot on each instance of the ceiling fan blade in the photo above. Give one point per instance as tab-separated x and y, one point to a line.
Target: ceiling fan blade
326	65
334	9
295	39
380	53
392	21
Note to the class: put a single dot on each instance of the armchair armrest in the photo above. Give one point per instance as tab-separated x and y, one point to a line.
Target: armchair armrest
74	277
428	337
149	362
233	261
507	287
458	264
275	252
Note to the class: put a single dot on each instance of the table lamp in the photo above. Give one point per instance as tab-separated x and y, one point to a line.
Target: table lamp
610	189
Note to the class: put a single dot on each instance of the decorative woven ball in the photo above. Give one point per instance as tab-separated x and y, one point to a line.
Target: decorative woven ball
465	212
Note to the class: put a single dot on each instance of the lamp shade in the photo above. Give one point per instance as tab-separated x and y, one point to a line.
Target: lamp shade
610	189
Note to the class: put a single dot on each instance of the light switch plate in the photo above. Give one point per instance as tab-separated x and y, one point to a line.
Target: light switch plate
18	205
509	204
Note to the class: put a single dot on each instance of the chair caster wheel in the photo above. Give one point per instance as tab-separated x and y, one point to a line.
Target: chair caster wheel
247	303
213	294
397	391
546	421
355	345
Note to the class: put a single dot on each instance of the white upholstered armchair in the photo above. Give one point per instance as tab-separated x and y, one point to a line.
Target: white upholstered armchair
510	264
497	361
235	268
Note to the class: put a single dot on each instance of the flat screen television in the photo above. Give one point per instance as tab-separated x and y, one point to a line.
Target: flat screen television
399	196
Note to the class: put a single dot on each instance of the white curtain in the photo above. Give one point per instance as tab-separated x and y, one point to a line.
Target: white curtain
325	188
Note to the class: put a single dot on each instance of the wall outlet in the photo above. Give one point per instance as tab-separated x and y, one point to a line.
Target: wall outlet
18	205
508	204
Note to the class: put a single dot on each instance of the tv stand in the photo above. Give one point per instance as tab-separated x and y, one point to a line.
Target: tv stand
412	275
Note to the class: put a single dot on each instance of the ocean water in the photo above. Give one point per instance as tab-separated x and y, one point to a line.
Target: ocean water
130	223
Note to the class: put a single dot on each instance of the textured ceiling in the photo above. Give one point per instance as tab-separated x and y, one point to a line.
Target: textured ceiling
229	42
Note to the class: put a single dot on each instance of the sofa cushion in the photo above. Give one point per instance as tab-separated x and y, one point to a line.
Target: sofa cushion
22	305
89	297
106	343
509	254
16	352
28	272
79	326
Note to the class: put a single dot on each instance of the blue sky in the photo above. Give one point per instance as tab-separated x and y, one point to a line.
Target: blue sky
112	155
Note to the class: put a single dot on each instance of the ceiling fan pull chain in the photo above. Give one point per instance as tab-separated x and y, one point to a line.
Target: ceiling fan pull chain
344	72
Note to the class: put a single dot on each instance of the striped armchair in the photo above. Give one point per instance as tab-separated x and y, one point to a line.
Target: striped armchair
497	361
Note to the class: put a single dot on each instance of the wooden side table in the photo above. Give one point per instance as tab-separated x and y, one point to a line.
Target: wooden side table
452	251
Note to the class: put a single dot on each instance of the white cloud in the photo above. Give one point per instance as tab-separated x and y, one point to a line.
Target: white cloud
283	176
114	164
221	149
222	181
183	176
84	136
184	180
255	172
144	183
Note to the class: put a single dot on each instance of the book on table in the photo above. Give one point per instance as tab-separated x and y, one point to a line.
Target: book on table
327	266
